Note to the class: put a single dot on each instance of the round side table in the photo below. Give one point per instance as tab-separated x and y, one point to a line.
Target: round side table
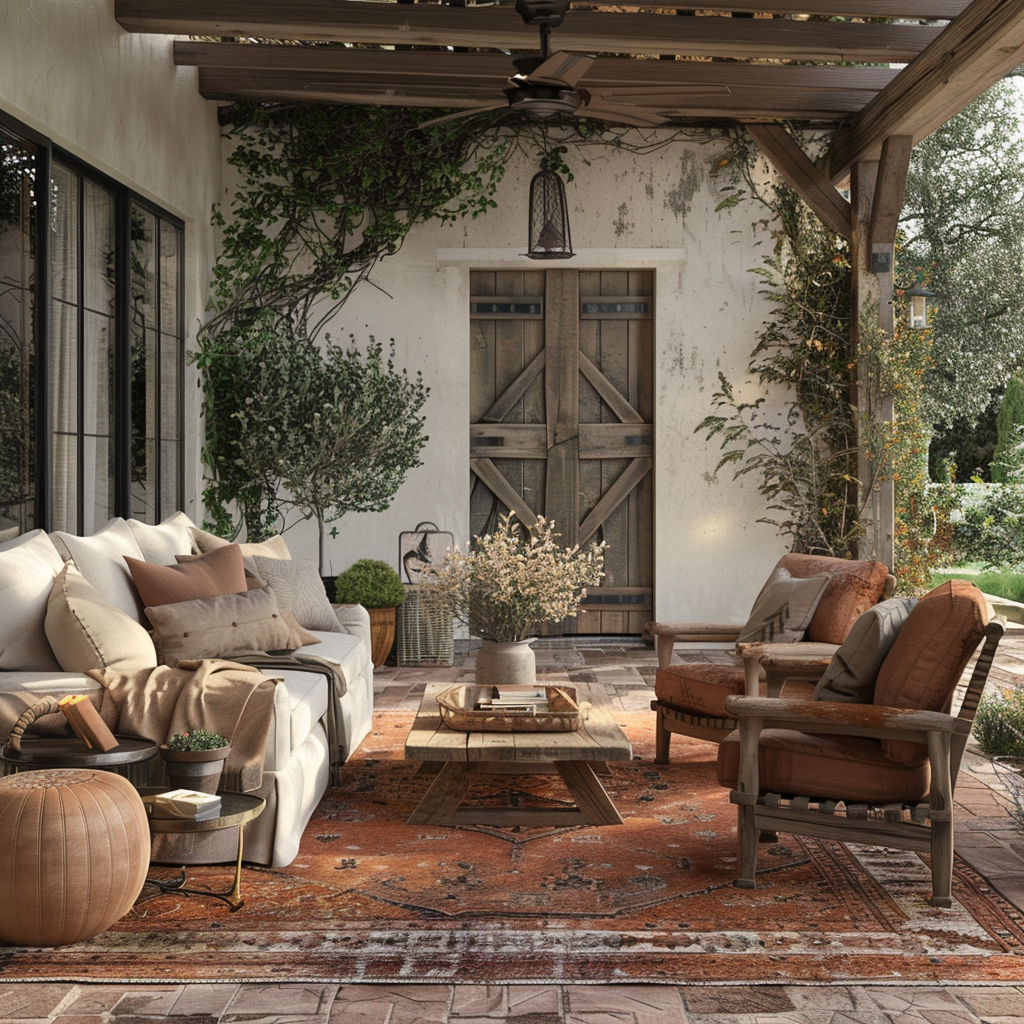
237	809
70	752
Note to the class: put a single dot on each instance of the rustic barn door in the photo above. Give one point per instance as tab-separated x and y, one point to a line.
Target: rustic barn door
562	400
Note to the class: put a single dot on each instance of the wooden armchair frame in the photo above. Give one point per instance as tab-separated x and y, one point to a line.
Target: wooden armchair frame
926	826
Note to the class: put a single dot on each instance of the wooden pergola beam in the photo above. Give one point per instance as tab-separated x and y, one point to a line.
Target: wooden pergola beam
363	21
890	187
911	10
983	45
799	170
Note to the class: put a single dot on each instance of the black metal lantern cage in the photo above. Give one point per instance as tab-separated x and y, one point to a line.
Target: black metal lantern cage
549	218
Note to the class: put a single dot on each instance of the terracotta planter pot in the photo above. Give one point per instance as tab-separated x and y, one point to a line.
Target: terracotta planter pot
382	633
195	769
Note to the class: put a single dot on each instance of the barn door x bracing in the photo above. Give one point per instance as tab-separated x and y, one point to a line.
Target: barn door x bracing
561	370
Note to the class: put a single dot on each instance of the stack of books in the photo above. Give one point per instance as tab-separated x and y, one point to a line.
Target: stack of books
529	702
185	803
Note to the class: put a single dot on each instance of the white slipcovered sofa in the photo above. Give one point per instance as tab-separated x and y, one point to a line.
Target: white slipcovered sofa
71	603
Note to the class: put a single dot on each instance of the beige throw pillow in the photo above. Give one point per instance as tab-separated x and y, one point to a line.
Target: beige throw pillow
299	589
784	608
220	572
218	627
272	547
87	632
28	565
161	543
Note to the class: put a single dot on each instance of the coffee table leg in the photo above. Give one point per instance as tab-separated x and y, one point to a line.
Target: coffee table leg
590	796
443	797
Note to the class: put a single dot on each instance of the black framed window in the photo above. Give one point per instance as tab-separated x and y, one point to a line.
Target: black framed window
93	330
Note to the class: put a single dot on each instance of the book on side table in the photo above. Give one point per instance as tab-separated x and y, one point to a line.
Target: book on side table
188	804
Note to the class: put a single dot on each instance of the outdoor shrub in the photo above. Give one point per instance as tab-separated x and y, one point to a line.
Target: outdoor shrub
992	528
999	725
371	583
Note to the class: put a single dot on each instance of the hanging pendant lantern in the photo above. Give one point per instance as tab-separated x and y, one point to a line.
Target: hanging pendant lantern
549	218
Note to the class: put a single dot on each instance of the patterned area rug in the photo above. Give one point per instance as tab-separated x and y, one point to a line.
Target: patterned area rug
372	899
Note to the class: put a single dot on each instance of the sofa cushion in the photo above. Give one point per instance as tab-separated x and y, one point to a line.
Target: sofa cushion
850	677
220	572
850	768
300	590
223	625
783	609
28	565
852	589
100	558
161	543
700	688
929	656
272	547
87	632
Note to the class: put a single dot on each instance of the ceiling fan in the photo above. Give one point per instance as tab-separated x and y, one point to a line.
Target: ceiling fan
547	84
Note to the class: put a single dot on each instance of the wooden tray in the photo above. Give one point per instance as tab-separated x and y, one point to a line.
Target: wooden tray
457	707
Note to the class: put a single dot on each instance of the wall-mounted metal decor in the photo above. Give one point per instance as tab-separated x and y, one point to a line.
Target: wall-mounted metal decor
426	545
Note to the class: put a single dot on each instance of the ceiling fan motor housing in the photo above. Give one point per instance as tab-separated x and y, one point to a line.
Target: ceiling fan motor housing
542	12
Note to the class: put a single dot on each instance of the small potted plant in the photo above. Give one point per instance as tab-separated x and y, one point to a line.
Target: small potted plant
195	759
378	588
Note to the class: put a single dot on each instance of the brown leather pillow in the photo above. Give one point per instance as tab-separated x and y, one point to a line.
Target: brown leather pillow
929	655
253	580
219	572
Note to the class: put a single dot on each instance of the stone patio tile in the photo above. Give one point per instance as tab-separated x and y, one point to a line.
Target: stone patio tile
391	1004
961	1016
281	1002
91	999
820	997
480	1001
900	999
146	1000
198	999
755	999
536	1000
624	1004
29	1001
1001	1002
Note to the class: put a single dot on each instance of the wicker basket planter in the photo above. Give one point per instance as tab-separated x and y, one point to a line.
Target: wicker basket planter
424	635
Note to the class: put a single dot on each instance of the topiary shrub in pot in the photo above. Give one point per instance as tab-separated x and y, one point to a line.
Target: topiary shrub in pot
378	588
195	759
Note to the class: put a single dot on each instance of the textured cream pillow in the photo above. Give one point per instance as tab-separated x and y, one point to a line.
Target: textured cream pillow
28	565
273	547
784	608
100	559
159	544
215	627
299	589
87	632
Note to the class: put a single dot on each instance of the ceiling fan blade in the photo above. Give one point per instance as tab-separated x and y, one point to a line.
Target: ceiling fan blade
660	96
620	113
463	113
561	69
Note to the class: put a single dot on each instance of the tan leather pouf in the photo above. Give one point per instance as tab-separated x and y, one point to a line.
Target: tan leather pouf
74	853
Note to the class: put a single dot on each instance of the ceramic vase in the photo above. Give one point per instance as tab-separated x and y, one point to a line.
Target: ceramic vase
506	664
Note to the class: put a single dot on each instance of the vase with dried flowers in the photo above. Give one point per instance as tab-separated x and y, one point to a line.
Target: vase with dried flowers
508	584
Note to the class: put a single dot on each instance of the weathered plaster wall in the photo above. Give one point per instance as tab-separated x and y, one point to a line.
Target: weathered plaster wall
118	102
655	211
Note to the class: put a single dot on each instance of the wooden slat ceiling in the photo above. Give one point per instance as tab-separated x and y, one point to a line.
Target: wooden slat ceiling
825	63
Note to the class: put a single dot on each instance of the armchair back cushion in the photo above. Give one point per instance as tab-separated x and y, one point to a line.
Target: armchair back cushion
853	587
850	676
929	656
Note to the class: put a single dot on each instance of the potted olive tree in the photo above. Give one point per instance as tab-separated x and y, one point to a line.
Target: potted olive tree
378	588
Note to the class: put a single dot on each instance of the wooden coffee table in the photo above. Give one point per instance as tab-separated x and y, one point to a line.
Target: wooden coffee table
456	756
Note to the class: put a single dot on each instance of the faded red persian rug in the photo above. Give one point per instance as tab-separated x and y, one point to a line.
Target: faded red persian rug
372	899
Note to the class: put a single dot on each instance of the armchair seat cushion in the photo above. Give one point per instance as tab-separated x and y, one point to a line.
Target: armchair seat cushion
853	769
700	688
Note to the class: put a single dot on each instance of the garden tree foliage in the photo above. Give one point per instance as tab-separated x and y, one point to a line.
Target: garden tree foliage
1009	418
963	225
964	446
323	193
319	431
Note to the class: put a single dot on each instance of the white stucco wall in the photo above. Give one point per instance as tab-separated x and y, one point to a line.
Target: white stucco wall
655	212
116	101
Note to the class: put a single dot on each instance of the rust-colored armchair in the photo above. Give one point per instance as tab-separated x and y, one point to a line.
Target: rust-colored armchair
879	772
801	620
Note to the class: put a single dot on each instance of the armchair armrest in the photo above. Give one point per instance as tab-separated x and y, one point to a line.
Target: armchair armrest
821	716
803	660
354	619
666	634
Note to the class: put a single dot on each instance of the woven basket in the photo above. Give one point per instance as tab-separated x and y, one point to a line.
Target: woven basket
457	712
423	635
